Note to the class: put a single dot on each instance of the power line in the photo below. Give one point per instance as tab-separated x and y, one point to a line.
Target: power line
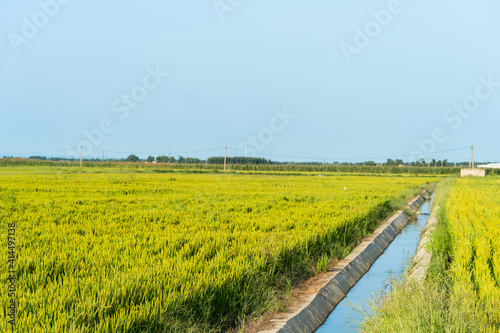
39	153
352	158
158	154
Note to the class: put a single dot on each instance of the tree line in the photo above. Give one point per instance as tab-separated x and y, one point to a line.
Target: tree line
166	159
219	160
239	160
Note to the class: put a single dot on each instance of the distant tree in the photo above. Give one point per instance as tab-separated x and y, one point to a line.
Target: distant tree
370	163
150	159
172	160
240	160
399	162
162	159
182	160
390	162
132	158
192	160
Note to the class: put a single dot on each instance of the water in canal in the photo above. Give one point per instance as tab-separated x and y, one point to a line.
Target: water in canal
390	264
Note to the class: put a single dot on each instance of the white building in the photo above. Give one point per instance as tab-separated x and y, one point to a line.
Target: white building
490	166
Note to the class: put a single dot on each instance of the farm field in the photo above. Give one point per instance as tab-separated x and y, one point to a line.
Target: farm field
148	252
473	211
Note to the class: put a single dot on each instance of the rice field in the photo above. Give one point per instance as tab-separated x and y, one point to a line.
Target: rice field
164	252
473	212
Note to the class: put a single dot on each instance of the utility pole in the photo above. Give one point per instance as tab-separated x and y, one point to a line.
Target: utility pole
246	151
225	160
81	156
473	166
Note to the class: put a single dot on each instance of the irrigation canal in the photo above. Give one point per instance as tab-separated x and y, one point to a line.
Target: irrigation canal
346	317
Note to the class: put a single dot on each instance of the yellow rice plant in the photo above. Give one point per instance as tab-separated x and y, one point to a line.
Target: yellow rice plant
121	252
474	215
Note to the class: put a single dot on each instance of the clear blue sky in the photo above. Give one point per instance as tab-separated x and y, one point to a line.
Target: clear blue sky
67	70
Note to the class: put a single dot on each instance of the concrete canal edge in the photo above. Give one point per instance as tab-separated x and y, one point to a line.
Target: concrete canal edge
422	259
313	308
